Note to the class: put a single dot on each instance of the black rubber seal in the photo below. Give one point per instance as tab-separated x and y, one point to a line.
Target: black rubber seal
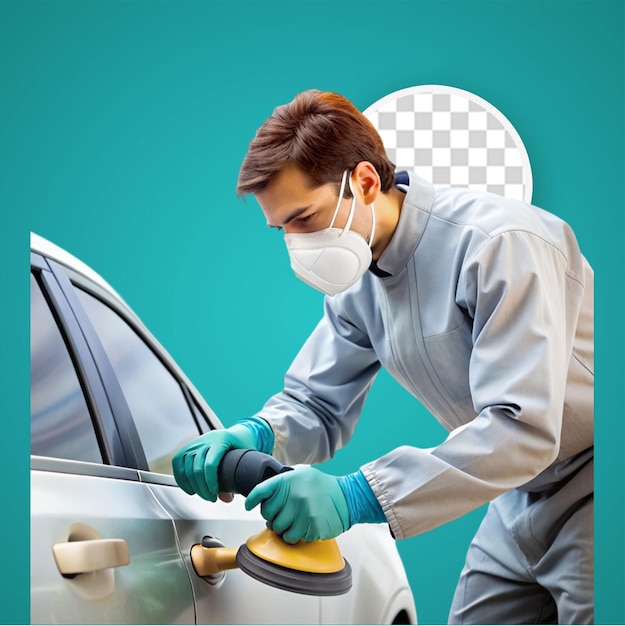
307	583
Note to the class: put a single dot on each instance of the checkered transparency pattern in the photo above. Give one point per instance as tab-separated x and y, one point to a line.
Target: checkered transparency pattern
453	138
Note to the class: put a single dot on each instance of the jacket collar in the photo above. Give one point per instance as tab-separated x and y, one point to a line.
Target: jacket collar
414	215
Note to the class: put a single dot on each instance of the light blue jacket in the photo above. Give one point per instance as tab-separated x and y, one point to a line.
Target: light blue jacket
486	316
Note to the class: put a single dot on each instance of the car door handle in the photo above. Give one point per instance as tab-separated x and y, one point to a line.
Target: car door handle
92	555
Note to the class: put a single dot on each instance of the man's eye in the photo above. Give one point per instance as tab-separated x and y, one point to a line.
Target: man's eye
305	219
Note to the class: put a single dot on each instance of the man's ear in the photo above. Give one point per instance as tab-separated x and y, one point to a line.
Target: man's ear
367	179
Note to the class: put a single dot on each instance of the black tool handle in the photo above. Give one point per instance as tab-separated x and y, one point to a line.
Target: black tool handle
241	470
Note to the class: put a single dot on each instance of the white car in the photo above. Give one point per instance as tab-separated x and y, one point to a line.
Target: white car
109	407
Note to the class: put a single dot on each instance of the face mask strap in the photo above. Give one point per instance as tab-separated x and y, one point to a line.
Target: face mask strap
372	225
352	212
347	178
338	204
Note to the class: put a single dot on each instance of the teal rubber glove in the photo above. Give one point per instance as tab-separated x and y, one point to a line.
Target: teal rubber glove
195	464
302	505
363	506
307	505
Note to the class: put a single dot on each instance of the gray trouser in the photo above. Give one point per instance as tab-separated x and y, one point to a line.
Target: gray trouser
531	561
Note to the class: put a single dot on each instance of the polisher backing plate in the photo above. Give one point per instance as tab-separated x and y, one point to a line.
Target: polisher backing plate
318	557
308	583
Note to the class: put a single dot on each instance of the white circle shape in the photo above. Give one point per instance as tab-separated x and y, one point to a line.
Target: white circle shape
453	138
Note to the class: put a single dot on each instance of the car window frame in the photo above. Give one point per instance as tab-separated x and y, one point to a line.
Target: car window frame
104	425
68	281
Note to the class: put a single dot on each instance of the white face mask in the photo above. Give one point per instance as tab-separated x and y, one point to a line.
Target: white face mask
333	259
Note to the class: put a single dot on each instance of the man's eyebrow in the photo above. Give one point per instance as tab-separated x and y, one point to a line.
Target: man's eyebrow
291	217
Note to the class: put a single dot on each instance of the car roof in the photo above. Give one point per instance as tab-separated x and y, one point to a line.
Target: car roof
52	251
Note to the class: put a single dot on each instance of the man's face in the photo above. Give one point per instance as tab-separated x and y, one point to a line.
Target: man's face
290	204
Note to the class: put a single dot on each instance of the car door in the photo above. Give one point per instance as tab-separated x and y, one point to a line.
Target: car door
91	515
155	410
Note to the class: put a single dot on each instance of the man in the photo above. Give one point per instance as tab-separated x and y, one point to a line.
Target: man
482	308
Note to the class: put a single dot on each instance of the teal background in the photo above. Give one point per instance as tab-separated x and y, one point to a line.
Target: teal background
122	128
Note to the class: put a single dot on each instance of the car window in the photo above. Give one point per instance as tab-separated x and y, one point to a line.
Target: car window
60	420
159	408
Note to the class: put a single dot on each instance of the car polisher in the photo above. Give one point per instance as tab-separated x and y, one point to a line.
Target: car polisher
314	568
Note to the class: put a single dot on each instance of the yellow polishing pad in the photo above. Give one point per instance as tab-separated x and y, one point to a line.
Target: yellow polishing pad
318	557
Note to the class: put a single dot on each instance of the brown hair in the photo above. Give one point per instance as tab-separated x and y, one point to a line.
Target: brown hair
323	134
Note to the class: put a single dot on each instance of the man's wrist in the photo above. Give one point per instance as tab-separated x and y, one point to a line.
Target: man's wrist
362	504
261	433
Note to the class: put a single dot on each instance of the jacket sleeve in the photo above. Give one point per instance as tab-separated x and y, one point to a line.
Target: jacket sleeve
324	390
524	300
